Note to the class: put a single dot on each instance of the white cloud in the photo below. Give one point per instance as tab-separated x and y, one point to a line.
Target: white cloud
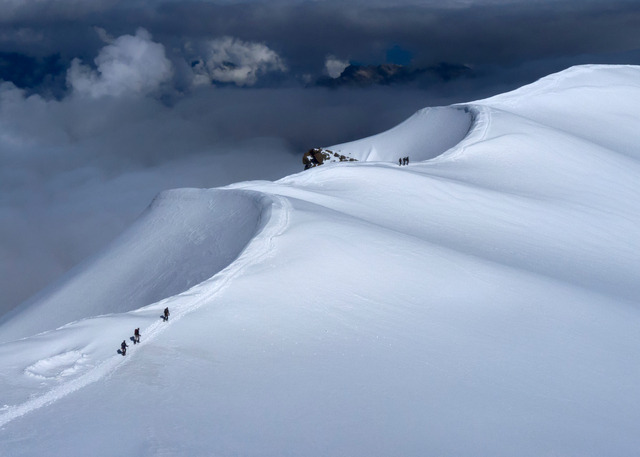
128	65
229	60
334	66
104	35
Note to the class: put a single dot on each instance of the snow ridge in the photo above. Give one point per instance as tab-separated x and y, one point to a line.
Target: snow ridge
183	238
423	136
180	305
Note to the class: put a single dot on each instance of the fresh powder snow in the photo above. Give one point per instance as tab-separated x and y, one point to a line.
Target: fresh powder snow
482	301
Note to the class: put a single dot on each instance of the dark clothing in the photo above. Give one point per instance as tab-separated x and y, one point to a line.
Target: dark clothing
166	314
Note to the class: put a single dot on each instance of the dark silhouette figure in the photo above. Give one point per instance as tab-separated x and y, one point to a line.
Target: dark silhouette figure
407	159
123	347
400	162
166	314
136	336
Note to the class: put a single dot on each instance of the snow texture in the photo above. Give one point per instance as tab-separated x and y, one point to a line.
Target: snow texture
482	301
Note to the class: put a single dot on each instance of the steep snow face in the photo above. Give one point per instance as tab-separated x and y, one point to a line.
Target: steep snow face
371	309
425	135
184	237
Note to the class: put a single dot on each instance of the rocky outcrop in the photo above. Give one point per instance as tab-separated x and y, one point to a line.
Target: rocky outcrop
317	156
392	74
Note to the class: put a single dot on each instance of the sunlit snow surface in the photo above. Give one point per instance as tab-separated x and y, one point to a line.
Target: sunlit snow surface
482	301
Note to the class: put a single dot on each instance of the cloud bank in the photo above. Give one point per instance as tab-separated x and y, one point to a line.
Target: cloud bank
242	43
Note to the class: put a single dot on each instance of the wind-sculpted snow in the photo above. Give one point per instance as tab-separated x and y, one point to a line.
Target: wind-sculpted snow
489	289
76	355
598	103
425	135
185	237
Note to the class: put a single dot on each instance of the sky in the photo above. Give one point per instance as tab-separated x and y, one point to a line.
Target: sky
104	104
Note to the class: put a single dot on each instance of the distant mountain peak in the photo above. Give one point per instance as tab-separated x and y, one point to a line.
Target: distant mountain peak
389	73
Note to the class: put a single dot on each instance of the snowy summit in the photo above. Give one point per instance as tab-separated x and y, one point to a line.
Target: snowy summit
483	300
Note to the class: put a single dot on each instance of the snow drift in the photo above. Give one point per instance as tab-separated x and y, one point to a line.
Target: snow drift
425	135
184	237
482	301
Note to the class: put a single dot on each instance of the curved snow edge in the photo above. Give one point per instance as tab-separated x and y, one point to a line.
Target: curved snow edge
427	134
273	224
184	237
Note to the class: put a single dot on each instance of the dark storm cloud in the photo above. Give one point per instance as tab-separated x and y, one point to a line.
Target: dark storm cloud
112	101
476	34
25	71
305	33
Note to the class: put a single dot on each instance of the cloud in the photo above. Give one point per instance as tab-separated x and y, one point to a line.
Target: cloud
104	35
229	60
496	35
131	64
334	66
21	35
25	10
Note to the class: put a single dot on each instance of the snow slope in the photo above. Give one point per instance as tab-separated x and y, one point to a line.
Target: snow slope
185	237
425	135
480	302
